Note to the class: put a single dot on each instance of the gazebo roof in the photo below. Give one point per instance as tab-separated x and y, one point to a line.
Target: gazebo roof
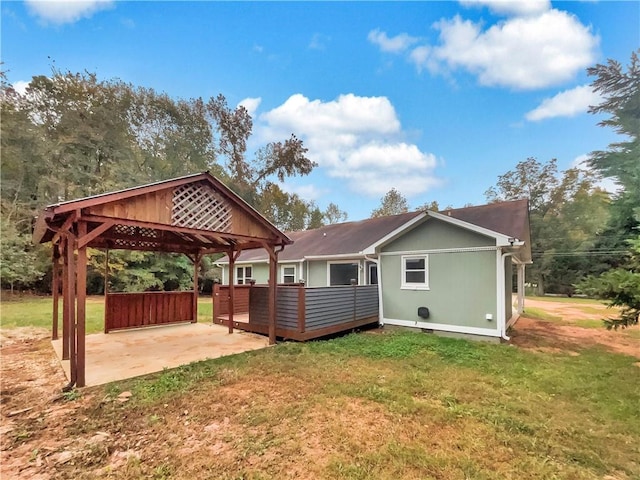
190	214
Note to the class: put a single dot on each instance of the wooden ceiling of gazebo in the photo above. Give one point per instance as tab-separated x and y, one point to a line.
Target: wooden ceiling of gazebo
194	215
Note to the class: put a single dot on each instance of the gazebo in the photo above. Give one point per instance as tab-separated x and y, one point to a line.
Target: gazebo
194	215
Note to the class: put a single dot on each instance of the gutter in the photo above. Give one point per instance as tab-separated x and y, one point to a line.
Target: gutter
502	314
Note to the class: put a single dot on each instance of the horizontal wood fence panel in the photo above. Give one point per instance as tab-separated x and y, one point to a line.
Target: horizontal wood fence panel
302	312
135	310
240	299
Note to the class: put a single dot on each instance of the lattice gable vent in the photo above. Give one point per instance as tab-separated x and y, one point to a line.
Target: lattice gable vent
196	205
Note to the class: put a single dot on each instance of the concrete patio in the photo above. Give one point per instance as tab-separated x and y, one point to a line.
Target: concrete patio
130	353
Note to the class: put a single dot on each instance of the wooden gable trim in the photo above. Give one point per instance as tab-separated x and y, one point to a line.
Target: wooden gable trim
54	210
123	194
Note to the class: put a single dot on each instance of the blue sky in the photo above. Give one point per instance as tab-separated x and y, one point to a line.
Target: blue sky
435	99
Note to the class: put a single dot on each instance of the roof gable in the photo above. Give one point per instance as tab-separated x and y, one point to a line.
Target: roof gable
197	211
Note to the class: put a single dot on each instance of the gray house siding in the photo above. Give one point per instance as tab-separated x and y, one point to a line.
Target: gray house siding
317	274
434	234
461	285
462	290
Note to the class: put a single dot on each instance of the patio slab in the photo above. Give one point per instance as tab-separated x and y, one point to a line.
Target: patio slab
130	353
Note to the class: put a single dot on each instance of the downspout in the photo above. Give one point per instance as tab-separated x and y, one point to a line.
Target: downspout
502	311
380	312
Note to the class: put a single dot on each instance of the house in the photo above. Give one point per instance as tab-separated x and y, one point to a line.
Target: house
449	271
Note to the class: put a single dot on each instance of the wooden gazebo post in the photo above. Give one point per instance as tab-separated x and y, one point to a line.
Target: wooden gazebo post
55	290
65	298
231	282
81	305
273	285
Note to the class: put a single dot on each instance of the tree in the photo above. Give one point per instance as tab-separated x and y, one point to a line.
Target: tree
333	214
620	287
620	91
316	219
566	212
18	259
432	206
73	135
393	203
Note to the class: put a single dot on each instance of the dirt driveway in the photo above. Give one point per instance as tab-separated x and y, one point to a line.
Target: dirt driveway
565	334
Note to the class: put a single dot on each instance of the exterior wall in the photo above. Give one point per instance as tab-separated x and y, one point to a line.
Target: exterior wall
462	290
317	274
260	272
508	288
434	234
462	285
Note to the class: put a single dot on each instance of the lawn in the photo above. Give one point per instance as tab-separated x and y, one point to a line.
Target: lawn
35	311
384	404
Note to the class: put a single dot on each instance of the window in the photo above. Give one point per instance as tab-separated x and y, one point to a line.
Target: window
243	275
415	272
288	274
373	274
343	273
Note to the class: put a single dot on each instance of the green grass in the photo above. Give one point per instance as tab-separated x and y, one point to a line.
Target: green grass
540	314
589	323
393	405
31	311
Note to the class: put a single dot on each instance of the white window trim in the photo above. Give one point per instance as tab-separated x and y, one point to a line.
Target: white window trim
404	285
370	266
350	262
295	272
244	274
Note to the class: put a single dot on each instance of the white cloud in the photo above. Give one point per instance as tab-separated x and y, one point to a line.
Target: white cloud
251	104
354	139
21	87
306	192
66	11
565	104
522	52
396	44
536	46
318	41
511	7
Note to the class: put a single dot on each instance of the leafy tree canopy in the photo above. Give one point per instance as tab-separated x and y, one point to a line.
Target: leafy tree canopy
393	203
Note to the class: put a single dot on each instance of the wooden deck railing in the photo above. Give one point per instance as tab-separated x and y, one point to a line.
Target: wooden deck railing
134	310
302	312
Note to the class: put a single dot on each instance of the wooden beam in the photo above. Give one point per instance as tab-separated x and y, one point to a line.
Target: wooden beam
302	308
196	268
106	289
171	228
273	286
96	232
81	307
64	228
232	260
55	290
71	307
65	300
